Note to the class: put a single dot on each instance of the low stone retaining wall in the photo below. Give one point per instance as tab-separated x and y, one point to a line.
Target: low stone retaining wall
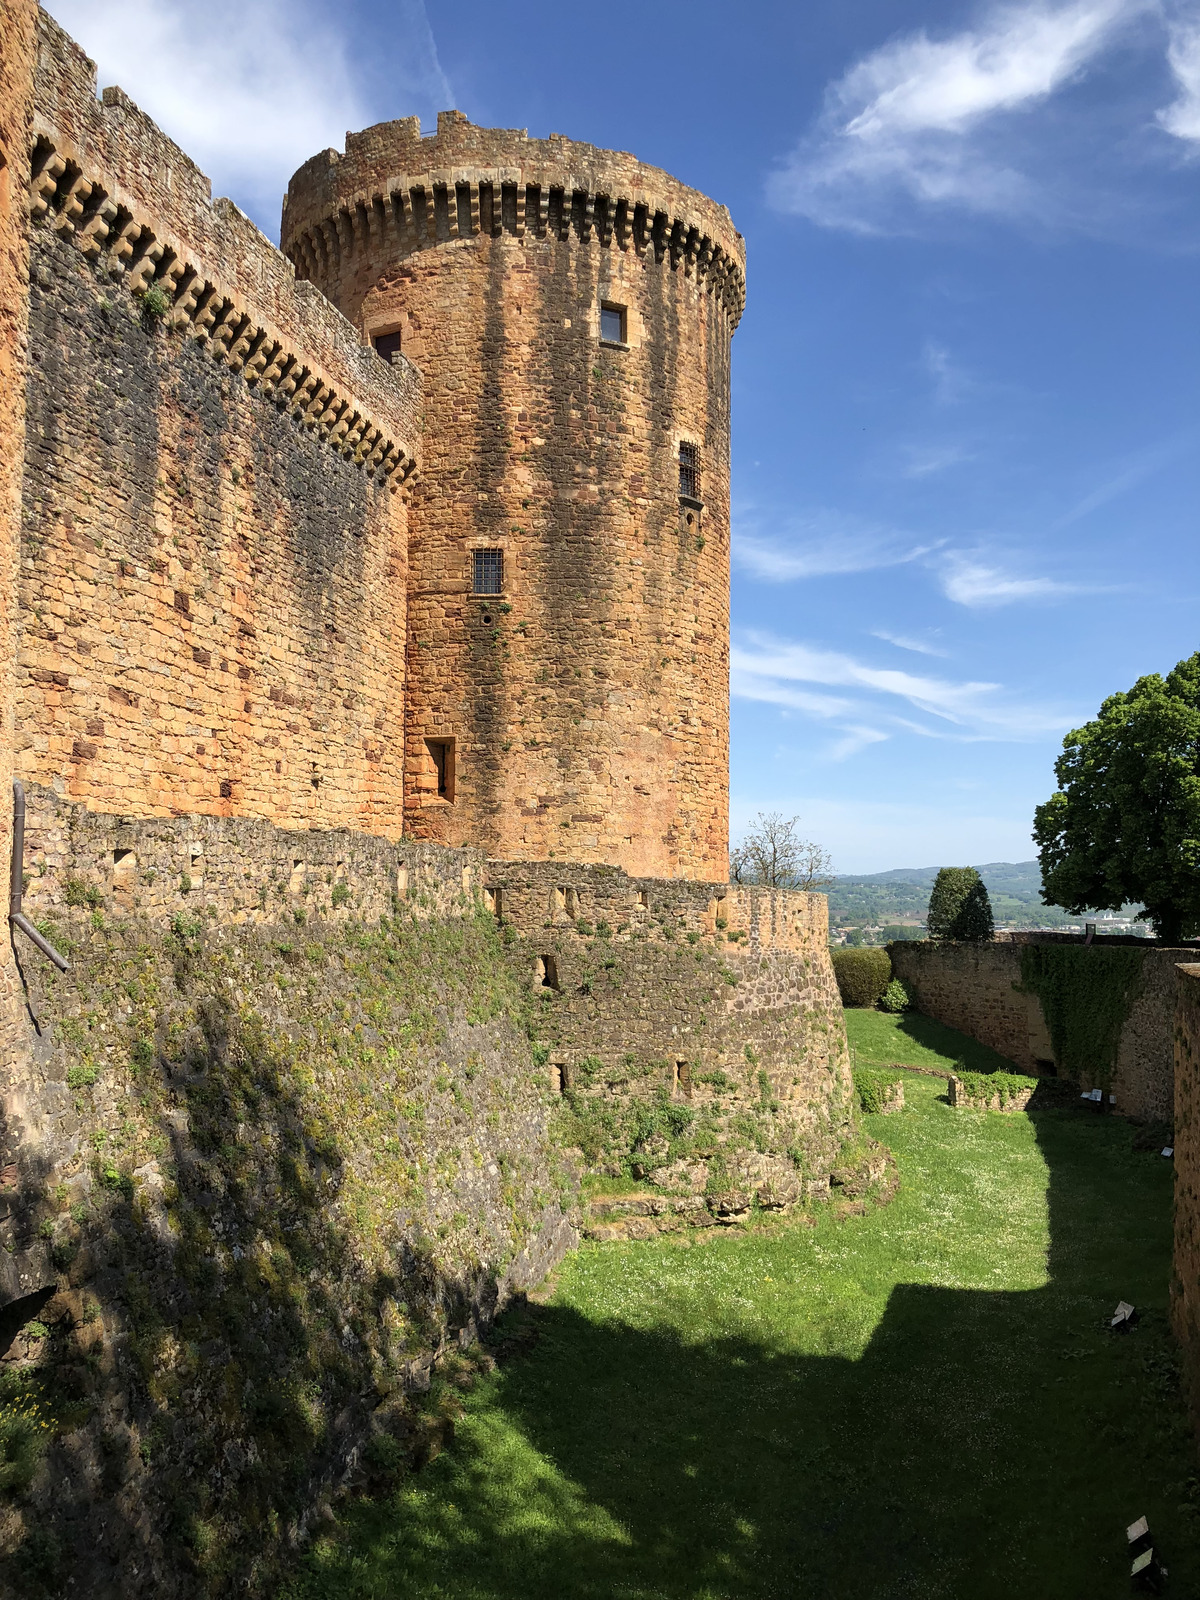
642	1216
960	1094
976	989
1185	1282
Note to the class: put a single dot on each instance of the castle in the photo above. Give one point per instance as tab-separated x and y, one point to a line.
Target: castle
364	620
454	563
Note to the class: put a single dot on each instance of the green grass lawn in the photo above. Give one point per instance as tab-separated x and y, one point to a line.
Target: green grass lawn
921	1402
912	1040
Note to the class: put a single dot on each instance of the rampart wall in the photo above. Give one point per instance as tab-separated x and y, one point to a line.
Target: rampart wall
307	1106
1185	1281
18	54
976	988
280	1151
586	705
214	546
718	998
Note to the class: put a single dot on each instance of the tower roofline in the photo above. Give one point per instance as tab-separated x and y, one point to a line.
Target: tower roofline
391	168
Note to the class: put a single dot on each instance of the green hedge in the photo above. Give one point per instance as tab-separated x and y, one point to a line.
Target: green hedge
862	973
869	1086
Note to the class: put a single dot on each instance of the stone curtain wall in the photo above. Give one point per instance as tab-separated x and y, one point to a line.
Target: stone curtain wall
18	46
588	704
213	559
1185	1283
971	987
232	870
277	1176
975	988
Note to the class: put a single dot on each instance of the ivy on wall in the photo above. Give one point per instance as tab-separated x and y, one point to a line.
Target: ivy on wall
1085	993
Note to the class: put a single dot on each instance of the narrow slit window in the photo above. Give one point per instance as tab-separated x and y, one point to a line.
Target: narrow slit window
489	572
612	323
388	346
441	753
689	470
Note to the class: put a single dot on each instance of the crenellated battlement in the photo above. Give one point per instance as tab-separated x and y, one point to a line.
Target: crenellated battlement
396	190
103	175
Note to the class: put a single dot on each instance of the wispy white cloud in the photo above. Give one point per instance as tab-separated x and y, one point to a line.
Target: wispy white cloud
854	739
251	88
915	122
819	544
927	460
972	581
1182	116
768	669
921	647
1137	467
952	384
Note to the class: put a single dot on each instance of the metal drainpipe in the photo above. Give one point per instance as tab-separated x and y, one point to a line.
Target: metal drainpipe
16	917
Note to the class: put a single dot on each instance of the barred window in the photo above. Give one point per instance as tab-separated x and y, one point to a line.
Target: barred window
689	470
489	571
388	346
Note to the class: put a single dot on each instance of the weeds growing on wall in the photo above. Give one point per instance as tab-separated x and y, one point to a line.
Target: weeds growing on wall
308	1160
623	1138
1085	993
871	1085
1002	1086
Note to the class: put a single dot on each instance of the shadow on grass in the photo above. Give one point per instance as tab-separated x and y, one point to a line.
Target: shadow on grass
945	1041
986	1444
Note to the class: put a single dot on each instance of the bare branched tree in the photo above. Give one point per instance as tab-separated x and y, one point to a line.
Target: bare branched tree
772	852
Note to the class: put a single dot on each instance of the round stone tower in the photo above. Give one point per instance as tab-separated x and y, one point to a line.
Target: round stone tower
571	312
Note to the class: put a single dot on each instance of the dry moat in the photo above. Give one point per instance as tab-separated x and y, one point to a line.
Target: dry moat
921	1401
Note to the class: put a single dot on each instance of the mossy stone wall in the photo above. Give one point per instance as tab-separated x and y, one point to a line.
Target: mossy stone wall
270	1174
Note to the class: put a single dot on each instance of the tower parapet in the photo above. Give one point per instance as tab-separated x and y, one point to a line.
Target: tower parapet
571	310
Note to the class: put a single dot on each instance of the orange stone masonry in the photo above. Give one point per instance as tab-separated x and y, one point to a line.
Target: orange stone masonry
212	584
582	713
18	44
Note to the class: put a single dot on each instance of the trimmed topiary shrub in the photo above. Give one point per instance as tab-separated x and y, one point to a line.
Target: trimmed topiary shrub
862	975
959	907
896	997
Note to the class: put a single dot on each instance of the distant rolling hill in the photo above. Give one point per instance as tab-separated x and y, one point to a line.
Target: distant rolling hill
902	895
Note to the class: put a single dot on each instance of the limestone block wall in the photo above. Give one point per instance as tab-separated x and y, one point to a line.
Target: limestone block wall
1185	1282
212	587
586	706
232	870
975	988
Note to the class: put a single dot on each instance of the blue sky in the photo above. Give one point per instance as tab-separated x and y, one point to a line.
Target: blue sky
965	388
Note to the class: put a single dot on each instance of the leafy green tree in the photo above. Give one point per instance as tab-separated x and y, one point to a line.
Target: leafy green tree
959	907
1125	823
